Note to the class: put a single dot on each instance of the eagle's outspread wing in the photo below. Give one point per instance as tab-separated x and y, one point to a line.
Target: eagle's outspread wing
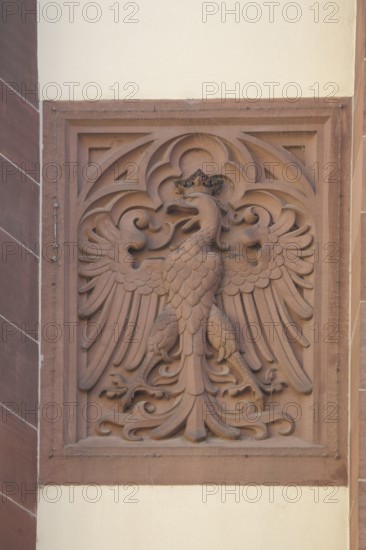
121	301
262	292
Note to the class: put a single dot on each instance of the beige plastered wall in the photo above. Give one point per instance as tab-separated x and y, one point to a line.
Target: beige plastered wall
172	50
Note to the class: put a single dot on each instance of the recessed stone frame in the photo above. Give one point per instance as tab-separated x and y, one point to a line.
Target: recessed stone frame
242	377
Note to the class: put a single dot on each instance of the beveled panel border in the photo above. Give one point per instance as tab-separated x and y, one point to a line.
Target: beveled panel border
61	460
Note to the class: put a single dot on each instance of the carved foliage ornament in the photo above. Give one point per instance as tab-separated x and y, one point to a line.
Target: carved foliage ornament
195	285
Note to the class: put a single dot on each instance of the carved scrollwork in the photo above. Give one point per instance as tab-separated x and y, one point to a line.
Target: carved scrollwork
209	241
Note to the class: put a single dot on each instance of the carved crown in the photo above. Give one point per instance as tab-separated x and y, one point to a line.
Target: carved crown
199	182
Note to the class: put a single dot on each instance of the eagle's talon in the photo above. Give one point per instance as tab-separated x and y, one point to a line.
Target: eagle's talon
165	356
142	387
259	401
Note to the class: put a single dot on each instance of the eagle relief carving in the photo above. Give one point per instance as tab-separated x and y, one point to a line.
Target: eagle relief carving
195	284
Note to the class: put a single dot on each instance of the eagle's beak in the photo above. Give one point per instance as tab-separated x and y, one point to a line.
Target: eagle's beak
179	205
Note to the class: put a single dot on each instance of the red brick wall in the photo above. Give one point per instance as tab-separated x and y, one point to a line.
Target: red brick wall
19	236
358	302
360	110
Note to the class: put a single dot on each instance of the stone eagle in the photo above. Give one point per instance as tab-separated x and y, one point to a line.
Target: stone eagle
203	317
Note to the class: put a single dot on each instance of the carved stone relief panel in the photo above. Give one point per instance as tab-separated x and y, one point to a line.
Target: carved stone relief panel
197	280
